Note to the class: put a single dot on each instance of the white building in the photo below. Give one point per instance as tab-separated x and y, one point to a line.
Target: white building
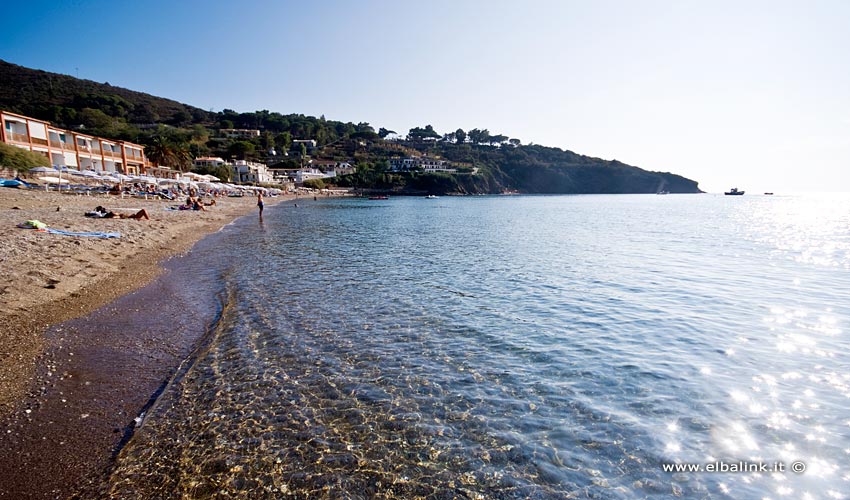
208	161
239	133
309	144
420	163
332	167
309	173
251	172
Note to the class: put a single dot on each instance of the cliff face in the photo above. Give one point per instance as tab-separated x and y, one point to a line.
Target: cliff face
125	114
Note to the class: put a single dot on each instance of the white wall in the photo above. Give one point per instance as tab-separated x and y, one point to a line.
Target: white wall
37	130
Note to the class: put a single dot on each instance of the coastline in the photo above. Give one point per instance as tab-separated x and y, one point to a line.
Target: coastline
51	279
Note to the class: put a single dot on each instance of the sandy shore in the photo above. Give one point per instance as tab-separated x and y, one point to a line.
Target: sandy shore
48	279
51	278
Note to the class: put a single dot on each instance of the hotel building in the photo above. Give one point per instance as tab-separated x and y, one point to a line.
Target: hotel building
66	148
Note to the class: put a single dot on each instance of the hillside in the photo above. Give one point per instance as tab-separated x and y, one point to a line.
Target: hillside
174	133
60	99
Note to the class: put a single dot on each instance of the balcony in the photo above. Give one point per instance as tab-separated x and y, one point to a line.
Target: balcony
15	137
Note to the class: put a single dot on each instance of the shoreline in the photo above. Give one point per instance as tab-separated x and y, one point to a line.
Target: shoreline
53	280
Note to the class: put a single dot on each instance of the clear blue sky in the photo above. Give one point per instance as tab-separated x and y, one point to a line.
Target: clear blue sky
754	94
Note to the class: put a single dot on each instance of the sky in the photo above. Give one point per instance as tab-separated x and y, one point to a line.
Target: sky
747	94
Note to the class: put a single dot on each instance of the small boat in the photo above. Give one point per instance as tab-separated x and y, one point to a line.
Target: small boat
432	197
734	192
379	197
769	194
663	192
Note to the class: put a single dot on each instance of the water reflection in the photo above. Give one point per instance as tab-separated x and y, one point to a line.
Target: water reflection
452	351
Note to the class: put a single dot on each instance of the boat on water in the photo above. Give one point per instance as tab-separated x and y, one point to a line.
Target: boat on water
734	192
768	194
663	192
432	197
379	197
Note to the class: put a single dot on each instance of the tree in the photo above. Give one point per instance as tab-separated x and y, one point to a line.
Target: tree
460	136
497	139
267	140
383	133
181	118
514	142
283	140
479	136
314	184
94	118
417	134
241	149
364	127
166	152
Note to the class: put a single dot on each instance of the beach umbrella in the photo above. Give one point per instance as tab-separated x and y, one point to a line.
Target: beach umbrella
41	170
109	178
54	180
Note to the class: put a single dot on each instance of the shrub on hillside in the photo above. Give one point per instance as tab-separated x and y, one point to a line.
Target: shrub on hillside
20	159
314	184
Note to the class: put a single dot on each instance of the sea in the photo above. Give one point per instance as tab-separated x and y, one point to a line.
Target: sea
598	346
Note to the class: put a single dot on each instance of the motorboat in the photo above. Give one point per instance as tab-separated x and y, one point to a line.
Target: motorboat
379	197
734	192
432	197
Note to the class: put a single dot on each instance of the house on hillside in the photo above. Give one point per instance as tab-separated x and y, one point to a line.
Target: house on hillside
425	163
208	161
239	133
309	144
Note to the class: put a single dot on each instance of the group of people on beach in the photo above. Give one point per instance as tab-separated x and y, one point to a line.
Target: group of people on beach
195	202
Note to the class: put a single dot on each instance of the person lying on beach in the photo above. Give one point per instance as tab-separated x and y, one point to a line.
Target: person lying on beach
102	213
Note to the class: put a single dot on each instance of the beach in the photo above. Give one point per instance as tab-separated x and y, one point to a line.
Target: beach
51	278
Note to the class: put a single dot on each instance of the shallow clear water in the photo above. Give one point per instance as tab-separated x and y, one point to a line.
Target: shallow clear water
515	347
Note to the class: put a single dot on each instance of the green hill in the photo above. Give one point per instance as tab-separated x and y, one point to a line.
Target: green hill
176	132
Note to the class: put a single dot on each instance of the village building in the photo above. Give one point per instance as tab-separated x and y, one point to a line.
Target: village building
251	172
208	161
333	167
425	163
239	133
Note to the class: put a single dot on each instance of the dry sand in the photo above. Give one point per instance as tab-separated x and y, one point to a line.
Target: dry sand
51	278
48	279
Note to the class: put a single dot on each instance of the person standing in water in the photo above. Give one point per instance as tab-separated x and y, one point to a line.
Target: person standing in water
260	202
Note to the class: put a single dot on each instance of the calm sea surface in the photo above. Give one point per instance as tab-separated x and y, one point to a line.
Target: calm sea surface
514	347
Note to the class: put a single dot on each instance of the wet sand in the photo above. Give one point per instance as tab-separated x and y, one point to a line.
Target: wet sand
69	393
